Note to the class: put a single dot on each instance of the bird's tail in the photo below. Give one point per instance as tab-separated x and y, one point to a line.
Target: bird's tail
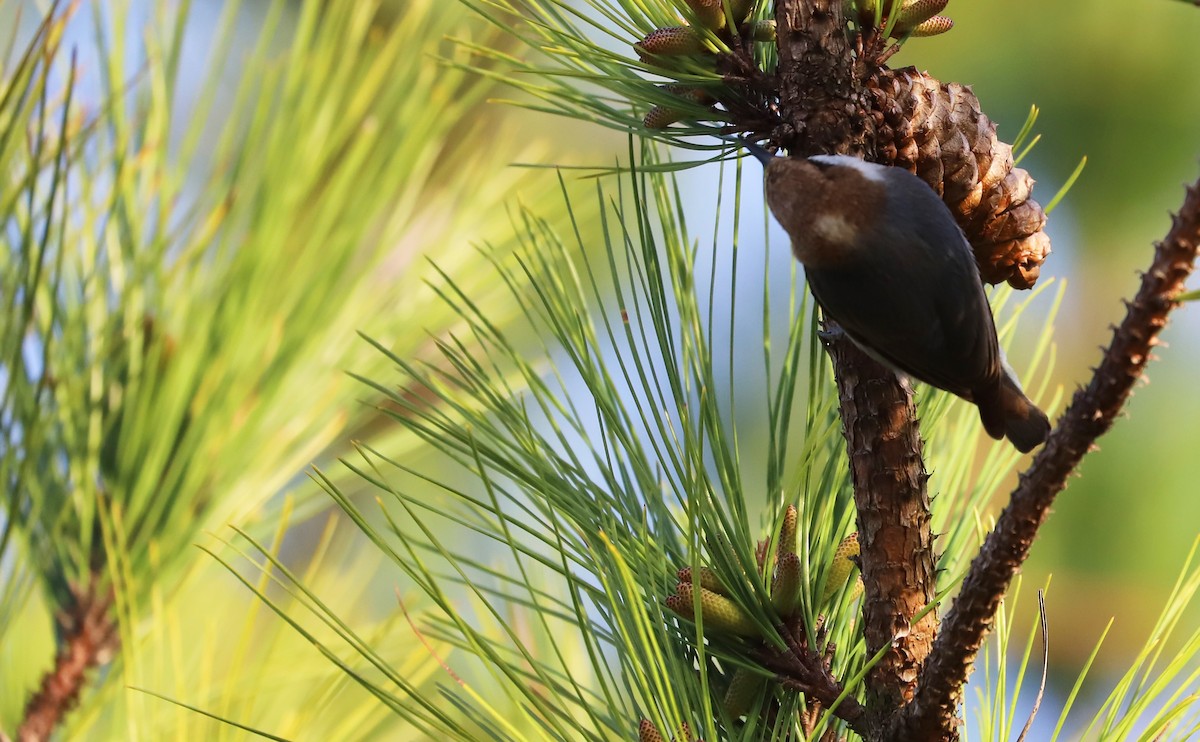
1007	413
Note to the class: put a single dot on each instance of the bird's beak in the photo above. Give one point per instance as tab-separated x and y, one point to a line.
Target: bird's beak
761	154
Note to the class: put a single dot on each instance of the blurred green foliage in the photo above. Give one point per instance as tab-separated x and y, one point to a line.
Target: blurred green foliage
191	240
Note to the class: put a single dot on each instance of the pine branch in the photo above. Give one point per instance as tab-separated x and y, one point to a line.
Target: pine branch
883	441
804	670
89	638
819	99
931	715
821	103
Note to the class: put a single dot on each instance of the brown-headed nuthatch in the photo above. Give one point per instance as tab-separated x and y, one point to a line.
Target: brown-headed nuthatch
885	259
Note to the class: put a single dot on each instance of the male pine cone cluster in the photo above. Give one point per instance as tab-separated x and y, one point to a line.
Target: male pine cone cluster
647	732
662	46
914	18
723	615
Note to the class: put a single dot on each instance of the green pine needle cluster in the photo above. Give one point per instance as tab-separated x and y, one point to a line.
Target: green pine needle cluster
586	66
185	269
630	450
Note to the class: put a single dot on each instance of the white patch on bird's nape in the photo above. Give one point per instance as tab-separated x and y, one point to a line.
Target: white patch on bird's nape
869	170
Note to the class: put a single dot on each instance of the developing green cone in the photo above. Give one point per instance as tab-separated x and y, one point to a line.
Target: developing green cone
710	13
744	687
662	116
939	24
785	589
839	570
647	732
742	9
720	614
863	10
708	580
763	30
918	11
787	530
668	42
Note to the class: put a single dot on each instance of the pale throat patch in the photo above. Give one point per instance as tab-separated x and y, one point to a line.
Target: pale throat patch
834	228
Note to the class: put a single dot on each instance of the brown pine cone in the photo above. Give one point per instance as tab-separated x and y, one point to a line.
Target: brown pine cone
938	131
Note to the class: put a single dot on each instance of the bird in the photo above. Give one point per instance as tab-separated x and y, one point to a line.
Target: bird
885	259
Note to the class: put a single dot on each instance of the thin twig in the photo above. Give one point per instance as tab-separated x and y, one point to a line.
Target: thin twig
1037	702
932	714
850	710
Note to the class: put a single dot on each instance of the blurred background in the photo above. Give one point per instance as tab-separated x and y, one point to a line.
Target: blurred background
1115	82
1111	81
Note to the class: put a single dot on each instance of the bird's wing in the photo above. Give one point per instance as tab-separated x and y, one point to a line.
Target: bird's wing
940	332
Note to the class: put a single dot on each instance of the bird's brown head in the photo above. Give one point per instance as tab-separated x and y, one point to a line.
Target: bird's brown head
824	204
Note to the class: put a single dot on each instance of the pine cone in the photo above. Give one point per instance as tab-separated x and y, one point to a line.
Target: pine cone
938	131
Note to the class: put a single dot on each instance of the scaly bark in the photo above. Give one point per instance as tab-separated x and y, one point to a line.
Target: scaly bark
822	106
883	441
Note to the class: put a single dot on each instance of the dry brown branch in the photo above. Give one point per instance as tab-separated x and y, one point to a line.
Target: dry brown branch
932	713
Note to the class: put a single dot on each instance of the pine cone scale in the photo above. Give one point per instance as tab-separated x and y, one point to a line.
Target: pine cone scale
944	137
